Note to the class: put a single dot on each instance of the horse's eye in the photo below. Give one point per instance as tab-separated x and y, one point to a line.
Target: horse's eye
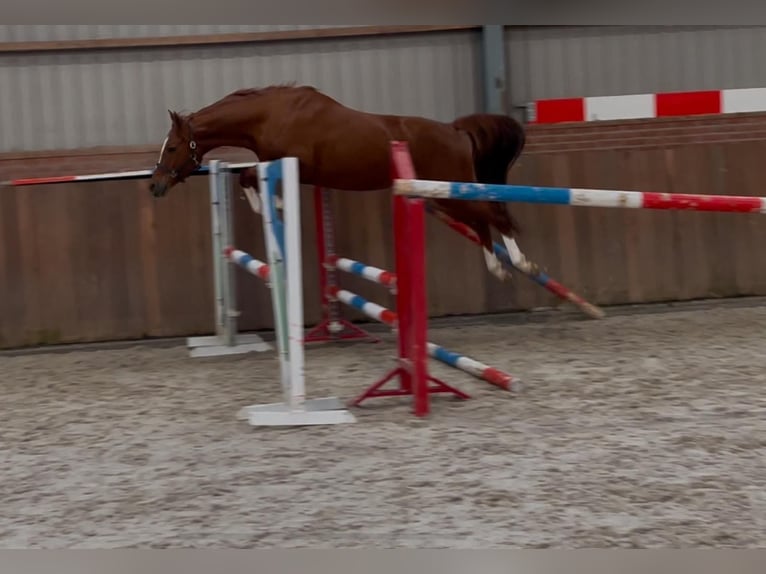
171	149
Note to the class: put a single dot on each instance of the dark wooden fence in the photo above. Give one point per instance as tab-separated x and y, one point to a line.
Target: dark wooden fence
105	261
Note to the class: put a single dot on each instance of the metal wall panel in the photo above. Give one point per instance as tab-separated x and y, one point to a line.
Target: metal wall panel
59	32
120	97
554	62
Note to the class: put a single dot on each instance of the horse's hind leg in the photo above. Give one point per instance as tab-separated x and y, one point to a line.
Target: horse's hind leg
508	228
494	265
475	222
518	259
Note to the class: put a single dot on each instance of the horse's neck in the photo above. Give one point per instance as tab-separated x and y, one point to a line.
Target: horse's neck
228	128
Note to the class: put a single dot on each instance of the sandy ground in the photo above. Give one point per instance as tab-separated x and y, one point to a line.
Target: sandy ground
635	431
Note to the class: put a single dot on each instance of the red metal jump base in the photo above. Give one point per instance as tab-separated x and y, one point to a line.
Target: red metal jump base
375	391
350	332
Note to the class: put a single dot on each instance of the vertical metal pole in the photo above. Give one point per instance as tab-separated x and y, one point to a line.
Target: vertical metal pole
275	259
328	276
227	269
493	63
325	248
294	280
403	168
418	309
218	260
409	250
403	291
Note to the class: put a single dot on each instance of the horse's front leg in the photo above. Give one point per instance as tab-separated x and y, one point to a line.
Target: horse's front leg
248	181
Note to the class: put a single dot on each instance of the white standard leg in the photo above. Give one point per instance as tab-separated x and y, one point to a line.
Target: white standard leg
295	410
213	346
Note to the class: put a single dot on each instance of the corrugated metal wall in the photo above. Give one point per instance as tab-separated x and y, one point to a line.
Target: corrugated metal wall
58	32
563	61
119	97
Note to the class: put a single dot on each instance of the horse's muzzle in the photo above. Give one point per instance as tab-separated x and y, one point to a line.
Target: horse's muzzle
158	189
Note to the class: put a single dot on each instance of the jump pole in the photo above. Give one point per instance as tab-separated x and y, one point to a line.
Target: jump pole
578	197
107	176
254	266
535	274
333	327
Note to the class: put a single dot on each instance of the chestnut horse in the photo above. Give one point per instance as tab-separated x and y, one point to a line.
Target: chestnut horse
341	148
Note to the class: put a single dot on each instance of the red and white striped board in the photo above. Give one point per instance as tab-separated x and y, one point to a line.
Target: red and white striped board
110	176
652	105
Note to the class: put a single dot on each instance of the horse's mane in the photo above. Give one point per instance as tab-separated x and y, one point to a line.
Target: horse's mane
264	90
237	95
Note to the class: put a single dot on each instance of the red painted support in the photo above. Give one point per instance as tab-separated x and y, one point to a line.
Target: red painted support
403	287
332	327
411	299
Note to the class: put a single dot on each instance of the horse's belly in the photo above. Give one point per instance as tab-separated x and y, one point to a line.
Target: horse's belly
360	169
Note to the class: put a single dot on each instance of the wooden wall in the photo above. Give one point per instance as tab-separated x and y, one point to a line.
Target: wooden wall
106	261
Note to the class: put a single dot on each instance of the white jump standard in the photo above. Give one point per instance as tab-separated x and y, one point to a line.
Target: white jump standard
283	271
226	340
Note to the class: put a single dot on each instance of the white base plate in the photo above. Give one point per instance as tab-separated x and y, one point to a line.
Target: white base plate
324	411
213	346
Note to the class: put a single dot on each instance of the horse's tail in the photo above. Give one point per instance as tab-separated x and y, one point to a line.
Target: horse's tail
498	141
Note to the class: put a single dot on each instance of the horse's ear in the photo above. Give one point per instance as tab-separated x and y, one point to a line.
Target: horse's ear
175	118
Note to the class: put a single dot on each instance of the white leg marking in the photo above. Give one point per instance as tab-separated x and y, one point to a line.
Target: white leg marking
517	257
253	199
495	266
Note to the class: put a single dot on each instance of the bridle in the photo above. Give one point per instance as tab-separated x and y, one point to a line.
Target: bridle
173	173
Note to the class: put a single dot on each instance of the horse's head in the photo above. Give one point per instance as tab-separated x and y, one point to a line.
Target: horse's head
179	156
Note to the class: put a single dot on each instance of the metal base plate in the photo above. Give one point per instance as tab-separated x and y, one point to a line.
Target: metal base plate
324	411
214	346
